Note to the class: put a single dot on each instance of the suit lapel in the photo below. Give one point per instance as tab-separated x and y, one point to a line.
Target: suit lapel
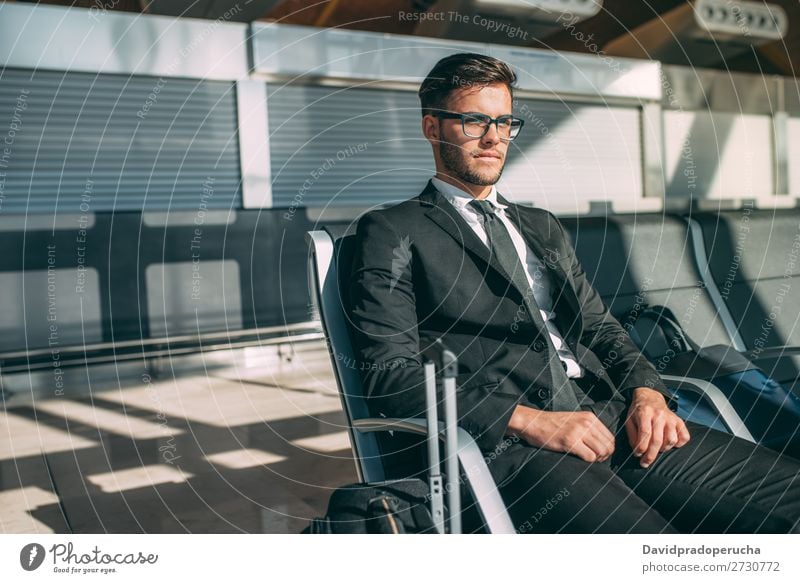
445	216
448	219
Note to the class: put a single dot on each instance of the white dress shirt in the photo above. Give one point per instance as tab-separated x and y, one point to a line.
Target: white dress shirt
535	271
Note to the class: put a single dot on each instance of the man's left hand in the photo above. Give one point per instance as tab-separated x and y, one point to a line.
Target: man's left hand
652	428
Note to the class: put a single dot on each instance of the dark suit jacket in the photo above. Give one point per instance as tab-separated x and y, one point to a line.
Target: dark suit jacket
420	273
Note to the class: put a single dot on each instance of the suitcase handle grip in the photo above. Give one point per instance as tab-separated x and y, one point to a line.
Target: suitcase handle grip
444	359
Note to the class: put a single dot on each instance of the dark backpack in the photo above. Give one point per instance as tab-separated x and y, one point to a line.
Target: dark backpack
392	507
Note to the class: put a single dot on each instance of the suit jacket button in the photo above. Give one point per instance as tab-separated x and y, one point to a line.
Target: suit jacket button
542	393
538	345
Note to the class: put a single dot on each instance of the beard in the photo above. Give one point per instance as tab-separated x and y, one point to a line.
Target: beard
455	161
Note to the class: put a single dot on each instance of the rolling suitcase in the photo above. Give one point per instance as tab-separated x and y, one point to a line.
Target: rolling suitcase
408	505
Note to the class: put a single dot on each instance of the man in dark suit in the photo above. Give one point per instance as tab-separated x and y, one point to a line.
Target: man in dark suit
577	426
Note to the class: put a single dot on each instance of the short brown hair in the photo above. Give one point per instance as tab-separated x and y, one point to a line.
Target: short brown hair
459	71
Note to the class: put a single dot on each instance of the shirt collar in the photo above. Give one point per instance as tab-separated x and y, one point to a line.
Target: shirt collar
461	198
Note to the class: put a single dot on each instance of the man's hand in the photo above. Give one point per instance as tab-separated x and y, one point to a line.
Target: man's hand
580	433
652	428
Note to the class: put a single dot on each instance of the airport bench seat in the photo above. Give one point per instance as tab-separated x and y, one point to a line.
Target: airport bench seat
332	248
691	265
754	256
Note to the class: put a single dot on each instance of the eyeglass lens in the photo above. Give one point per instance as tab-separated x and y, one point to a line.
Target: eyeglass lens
476	126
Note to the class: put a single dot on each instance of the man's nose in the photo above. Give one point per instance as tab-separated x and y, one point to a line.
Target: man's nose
492	136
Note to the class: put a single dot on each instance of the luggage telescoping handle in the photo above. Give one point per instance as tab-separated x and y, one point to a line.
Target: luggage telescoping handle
434	474
438	356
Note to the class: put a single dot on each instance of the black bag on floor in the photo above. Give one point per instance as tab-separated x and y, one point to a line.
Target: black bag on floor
393	507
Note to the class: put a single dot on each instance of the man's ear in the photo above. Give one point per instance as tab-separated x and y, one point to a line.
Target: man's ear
430	128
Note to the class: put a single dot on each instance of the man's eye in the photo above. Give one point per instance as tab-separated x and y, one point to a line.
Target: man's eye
476	120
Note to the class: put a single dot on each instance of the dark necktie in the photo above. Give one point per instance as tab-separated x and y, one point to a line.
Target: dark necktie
501	245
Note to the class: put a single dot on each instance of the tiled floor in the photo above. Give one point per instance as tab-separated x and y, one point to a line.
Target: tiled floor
254	446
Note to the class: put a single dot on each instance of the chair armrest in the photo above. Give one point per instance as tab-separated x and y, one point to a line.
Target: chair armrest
480	481
772	352
718	400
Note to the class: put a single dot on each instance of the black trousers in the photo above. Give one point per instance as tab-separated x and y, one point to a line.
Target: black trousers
716	483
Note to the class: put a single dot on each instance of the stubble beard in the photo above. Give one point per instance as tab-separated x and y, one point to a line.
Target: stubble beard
453	158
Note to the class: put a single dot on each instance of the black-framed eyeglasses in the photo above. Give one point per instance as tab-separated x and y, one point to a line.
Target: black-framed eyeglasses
475	125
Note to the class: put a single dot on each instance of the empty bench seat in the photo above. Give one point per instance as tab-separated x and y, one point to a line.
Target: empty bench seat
754	257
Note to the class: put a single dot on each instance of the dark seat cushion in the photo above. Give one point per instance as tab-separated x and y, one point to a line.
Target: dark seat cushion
634	260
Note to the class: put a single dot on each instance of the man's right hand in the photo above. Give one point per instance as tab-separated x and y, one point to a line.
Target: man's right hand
580	433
